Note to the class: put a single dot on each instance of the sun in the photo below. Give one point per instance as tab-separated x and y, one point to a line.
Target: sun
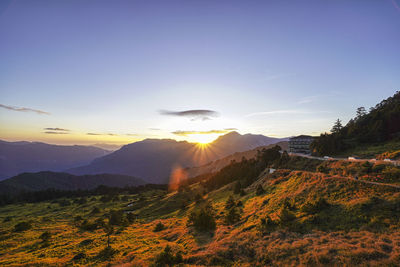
202	139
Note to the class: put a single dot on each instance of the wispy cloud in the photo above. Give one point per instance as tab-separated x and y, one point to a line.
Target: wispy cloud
154	129
24	109
56	129
55	132
186	133
308	99
110	134
284	112
193	114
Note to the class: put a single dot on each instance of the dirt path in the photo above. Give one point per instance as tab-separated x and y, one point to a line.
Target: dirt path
367	182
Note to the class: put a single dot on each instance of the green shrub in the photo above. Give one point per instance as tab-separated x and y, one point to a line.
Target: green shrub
267	225
45	236
106	253
286	217
232	216
230	203
167	258
22	226
95	210
203	218
159	227
313	207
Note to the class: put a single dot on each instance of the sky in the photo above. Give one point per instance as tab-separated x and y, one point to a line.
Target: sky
115	72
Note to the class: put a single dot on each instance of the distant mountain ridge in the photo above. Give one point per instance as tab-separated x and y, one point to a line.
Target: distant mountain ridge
18	157
154	159
213	167
64	181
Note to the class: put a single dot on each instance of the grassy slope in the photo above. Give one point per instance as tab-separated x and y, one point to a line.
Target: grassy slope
346	233
371	151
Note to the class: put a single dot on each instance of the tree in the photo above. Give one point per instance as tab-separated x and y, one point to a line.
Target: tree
203	219
230	203
109	230
337	126
361	112
232	215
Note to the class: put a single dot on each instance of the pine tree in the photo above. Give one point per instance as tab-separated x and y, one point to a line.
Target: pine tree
361	112
337	126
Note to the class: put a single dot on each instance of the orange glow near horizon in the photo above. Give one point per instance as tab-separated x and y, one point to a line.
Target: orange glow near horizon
202	139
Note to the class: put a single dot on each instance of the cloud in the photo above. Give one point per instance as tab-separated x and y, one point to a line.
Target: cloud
308	99
56	129
110	134
230	129
285	112
186	133
54	132
155	129
23	109
193	114
275	112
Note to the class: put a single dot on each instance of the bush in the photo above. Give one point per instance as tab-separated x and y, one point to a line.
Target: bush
167	258
230	203
286	217
79	256
203	218
260	190
22	226
232	216
267	225
313	207
131	217
45	237
106	253
116	217
95	210
89	226
159	227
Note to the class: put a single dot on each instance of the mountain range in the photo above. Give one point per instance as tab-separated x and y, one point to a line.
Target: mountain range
64	181
18	157
215	166
154	160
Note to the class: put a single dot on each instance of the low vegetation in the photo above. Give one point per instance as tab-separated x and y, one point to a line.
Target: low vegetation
309	214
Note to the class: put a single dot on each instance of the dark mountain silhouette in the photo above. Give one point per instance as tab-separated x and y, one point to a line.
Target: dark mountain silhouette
64	181
18	157
155	159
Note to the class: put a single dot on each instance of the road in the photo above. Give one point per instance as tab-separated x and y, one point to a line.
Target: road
394	162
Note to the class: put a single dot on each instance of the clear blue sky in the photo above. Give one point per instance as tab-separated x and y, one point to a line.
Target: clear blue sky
278	68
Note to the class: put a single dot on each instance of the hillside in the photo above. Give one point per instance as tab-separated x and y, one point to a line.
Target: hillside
64	181
154	159
18	157
377	131
290	217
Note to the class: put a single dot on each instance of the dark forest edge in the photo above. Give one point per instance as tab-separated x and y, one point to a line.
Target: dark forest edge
378	127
